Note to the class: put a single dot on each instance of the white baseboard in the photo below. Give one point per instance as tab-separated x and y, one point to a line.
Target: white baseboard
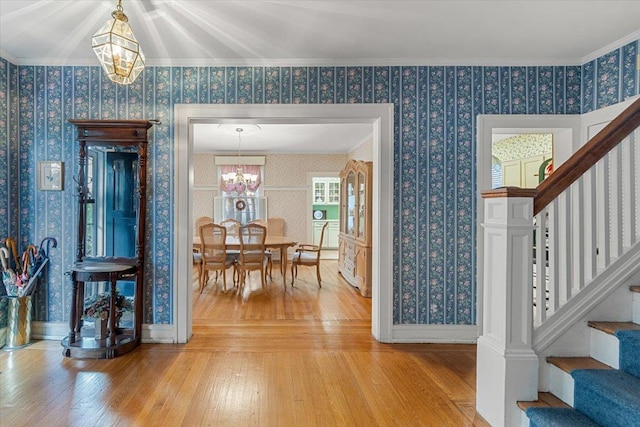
164	334
158	334
456	334
49	330
153	334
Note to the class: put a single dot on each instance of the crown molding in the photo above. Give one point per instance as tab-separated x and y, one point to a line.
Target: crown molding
335	62
4	54
630	38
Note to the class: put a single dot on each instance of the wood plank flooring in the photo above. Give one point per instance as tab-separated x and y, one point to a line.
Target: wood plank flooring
263	357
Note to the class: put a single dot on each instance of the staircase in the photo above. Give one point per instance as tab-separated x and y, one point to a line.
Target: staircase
600	390
587	218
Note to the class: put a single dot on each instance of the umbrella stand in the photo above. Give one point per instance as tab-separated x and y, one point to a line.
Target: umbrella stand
33	280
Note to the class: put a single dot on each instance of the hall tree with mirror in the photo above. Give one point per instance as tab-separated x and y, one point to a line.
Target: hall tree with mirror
111	192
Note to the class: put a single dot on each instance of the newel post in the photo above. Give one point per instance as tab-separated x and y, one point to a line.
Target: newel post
507	366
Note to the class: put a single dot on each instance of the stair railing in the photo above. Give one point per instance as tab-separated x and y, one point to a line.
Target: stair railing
598	189
587	215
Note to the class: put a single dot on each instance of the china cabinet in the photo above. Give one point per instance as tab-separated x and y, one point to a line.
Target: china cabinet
354	245
331	235
326	191
109	265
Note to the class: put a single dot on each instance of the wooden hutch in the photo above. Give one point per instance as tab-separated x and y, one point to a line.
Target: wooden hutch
354	243
111	191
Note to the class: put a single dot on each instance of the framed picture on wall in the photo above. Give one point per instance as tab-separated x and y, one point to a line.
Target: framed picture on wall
51	176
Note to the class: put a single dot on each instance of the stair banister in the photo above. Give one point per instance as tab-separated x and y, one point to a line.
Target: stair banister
507	362
587	156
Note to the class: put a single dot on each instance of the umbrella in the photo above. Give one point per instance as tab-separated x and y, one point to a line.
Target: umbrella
30	254
8	275
23	278
14	262
40	260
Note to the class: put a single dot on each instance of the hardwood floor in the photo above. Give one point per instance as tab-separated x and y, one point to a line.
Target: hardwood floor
268	357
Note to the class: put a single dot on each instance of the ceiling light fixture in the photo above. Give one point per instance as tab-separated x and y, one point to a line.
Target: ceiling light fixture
239	181
117	49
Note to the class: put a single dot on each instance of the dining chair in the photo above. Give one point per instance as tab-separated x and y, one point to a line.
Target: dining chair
309	255
214	253
232	226
267	253
200	221
233	229
275	228
261	222
252	252
197	256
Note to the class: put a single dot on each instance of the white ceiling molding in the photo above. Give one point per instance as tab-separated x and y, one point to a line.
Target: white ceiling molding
612	46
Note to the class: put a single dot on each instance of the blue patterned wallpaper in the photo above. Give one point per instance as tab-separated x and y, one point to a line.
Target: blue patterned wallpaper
434	174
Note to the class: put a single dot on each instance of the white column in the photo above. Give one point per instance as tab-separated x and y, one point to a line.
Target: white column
507	366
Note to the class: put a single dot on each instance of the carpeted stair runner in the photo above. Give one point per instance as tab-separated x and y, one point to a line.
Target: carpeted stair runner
557	417
609	397
629	351
602	397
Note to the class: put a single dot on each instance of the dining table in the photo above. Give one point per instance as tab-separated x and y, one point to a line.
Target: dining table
232	242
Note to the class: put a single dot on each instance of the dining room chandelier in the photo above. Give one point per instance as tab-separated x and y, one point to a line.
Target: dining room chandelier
239	182
117	49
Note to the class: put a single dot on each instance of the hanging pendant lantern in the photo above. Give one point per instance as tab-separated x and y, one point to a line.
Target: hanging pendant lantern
117	49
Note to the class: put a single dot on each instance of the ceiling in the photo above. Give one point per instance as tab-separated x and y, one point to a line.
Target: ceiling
317	32
308	138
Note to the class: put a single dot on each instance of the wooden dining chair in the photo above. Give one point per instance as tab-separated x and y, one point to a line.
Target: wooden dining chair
308	255
199	222
196	255
276	228
233	229
214	253
232	226
252	252
267	253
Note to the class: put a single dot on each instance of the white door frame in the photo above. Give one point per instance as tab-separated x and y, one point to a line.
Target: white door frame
566	140
380	116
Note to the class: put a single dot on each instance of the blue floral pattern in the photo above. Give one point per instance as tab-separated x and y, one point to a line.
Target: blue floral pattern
434	156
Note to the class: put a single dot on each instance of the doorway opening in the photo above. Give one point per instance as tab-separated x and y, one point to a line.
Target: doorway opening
379	116
565	132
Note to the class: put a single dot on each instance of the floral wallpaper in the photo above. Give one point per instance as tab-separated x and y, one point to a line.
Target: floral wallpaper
522	146
434	174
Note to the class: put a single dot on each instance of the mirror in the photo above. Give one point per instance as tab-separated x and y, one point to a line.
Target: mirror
112	201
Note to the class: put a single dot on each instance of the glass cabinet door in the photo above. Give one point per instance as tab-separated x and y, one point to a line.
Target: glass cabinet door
319	192
362	203
351	203
333	192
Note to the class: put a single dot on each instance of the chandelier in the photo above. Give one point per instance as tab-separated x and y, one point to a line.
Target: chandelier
239	182
244	180
117	49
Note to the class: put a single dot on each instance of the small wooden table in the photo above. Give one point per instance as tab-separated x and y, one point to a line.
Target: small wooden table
273	242
77	346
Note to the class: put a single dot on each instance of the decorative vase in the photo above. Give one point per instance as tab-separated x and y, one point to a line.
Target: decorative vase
100	328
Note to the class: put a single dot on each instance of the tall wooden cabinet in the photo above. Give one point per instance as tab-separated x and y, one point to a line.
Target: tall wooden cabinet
354	246
111	192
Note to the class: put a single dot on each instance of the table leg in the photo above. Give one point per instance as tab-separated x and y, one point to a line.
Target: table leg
74	310
112	312
283	265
